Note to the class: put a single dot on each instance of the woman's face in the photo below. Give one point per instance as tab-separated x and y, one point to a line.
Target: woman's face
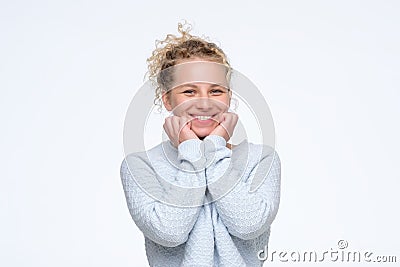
202	103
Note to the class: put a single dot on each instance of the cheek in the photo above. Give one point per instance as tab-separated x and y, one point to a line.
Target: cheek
177	104
180	108
223	103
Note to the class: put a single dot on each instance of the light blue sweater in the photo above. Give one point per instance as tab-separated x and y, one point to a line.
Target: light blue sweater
196	204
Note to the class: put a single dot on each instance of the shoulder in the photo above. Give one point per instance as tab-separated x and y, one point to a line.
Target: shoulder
255	153
258	164
154	160
265	155
141	158
265	167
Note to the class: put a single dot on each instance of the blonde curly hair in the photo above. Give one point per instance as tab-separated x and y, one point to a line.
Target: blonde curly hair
172	50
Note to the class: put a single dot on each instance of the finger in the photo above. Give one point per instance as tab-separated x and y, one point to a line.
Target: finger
225	118
219	118
230	118
167	125
175	124
183	122
174	128
229	123
169	133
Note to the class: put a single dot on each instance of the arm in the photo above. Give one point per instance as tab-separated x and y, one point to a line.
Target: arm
161	222
245	214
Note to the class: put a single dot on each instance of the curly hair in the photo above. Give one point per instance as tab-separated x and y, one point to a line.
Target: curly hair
173	49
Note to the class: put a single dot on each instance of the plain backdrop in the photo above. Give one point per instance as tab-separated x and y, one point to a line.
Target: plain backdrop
329	71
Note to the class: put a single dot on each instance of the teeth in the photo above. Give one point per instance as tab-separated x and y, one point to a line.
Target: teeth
203	118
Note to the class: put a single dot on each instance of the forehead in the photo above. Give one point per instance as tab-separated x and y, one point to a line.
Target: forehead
198	73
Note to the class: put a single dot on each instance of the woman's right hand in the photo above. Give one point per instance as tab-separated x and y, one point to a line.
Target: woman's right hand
179	129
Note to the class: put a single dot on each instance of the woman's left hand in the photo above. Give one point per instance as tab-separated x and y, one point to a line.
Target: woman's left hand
226	125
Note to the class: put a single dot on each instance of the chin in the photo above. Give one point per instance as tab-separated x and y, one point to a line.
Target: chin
201	133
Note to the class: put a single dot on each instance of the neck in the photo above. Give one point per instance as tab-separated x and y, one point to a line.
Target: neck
227	144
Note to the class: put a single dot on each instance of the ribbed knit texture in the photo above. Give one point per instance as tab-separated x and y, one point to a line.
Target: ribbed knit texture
196	204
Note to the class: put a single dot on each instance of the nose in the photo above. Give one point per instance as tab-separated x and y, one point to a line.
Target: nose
203	103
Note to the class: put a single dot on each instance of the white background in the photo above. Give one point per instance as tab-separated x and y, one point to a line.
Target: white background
329	71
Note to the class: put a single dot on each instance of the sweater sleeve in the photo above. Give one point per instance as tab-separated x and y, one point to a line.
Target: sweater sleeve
160	209
246	213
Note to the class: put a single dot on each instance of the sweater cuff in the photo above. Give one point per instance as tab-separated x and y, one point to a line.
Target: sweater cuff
216	139
190	150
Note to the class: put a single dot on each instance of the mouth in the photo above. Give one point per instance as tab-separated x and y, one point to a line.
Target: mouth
202	117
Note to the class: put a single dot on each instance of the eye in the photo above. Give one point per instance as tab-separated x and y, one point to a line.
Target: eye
188	92
217	92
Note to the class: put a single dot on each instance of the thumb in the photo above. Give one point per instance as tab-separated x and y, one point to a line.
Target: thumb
224	115
187	126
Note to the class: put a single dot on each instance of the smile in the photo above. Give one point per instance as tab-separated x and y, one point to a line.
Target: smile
202	117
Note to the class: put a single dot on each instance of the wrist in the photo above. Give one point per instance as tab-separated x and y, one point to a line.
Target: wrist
188	137
216	139
222	132
190	149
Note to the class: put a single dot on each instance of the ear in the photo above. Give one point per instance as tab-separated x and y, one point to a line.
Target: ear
166	101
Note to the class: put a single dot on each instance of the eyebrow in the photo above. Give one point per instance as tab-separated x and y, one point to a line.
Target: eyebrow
195	86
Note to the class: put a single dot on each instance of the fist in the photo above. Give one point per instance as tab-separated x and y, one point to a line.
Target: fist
226	125
178	129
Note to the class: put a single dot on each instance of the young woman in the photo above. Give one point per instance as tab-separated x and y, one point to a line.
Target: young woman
190	195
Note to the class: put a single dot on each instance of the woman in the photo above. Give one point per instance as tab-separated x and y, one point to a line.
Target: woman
192	200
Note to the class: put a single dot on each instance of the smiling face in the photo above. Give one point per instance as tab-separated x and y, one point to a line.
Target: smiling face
202	103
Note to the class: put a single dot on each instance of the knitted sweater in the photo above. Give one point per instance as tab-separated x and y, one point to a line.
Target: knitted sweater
203	204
